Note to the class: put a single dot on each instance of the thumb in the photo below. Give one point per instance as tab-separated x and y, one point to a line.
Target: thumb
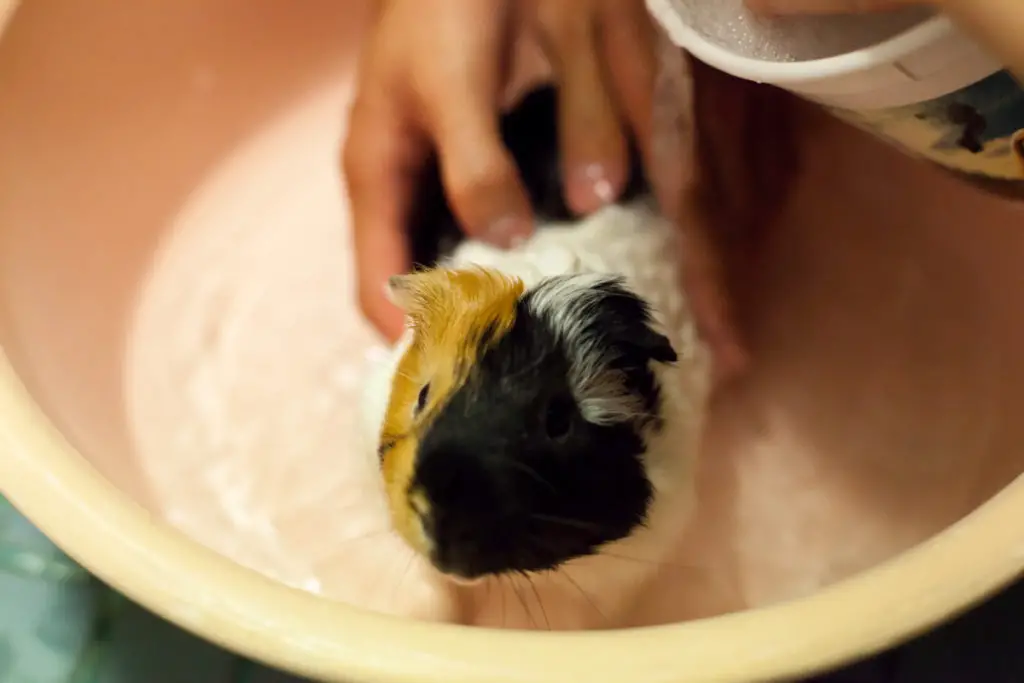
828	6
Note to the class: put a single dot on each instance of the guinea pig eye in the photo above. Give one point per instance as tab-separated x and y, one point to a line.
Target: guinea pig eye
558	417
421	399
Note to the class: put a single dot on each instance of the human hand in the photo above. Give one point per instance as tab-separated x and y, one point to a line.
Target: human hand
432	79
745	154
741	156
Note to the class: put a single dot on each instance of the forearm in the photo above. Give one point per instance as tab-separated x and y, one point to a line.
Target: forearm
997	24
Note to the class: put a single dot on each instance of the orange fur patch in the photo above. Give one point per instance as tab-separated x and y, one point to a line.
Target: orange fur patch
455	314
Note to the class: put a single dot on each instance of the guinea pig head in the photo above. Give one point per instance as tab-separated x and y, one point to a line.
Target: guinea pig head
519	419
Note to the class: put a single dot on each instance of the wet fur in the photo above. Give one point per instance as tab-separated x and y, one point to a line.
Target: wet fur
612	506
474	481
455	316
466	448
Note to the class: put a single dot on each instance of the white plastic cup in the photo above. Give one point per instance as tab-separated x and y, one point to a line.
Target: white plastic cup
931	90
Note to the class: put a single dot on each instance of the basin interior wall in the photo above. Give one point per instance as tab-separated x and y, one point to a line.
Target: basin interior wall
888	382
112	115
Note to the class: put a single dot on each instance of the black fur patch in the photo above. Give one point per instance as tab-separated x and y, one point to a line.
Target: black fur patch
530	132
516	478
624	323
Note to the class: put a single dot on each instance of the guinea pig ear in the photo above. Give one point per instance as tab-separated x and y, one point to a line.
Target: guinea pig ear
653	344
400	290
422	294
627	318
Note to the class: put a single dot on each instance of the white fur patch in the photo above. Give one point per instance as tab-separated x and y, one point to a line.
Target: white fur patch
635	242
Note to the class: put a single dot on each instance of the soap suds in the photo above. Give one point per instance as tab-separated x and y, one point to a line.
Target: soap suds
243	373
792	39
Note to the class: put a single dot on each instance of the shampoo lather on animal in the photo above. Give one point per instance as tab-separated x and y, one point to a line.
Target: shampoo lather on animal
538	425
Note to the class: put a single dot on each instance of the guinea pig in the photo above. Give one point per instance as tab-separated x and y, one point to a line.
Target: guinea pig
537	426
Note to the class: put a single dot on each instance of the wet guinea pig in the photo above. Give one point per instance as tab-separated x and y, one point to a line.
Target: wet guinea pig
539	421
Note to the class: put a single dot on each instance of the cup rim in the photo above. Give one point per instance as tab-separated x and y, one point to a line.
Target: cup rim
110	534
889	51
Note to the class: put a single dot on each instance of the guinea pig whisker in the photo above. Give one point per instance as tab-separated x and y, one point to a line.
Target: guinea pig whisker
566	522
646	560
488	591
522	600
491	580
533	474
536	594
377	533
489	586
504	605
503	589
527	368
404	575
564	572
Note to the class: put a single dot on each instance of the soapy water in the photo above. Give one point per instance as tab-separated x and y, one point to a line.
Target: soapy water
244	372
245	369
731	25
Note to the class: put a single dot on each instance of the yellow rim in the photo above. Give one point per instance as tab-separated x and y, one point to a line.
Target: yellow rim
123	544
1017	145
201	591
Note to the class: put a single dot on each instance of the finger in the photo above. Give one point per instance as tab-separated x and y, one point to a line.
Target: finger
702	221
744	160
705	285
828	6
629	41
460	93
745	148
380	154
589	126
529	68
377	259
671	164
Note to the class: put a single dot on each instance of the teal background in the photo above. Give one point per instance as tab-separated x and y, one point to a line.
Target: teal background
970	130
60	625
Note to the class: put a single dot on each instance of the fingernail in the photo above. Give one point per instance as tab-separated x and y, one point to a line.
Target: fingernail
507	232
591	188
734	358
601	186
728	355
730	361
